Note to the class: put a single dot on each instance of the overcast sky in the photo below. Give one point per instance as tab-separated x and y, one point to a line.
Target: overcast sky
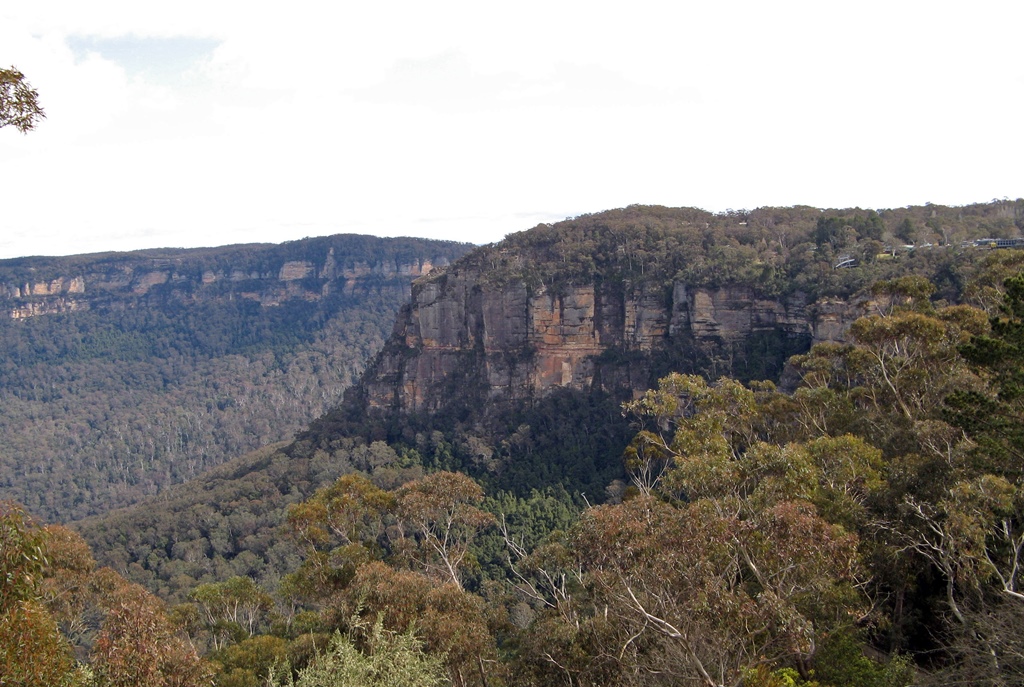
197	123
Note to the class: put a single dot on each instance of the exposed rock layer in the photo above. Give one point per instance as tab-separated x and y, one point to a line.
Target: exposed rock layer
459	336
30	287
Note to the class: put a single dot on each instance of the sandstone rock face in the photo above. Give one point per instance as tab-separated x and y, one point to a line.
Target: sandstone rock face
734	313
54	287
832	319
461	336
47	307
295	269
258	274
147	280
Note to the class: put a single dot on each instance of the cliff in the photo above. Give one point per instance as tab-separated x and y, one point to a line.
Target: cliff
611	301
512	363
268	274
461	335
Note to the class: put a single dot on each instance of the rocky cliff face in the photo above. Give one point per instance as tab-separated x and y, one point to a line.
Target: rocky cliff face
269	274
460	336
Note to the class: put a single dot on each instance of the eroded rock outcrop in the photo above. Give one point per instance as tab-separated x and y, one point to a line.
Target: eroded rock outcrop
268	274
461	337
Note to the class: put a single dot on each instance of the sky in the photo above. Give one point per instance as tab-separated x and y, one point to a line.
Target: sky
204	123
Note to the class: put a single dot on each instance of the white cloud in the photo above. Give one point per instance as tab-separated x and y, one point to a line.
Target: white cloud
205	123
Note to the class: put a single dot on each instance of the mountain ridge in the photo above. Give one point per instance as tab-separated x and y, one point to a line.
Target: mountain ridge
268	273
124	373
573	437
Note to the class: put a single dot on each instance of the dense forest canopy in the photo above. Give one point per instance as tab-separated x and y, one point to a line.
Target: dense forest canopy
861	525
773	250
140	391
864	529
144	384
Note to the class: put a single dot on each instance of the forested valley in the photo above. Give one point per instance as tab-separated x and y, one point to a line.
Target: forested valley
857	518
164	364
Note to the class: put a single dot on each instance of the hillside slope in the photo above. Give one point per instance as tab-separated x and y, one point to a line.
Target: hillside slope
124	373
512	363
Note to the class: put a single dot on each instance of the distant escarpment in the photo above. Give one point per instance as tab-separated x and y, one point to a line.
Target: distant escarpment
268	274
125	373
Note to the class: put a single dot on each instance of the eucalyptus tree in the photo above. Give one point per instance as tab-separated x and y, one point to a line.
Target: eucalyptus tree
19	102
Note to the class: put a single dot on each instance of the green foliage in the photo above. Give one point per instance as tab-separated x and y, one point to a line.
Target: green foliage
905	230
841	662
32	650
841	231
391	660
451	621
22	557
701	593
526	520
994	419
224	524
231	609
62	600
440	511
772	251
893	377
137	645
251	662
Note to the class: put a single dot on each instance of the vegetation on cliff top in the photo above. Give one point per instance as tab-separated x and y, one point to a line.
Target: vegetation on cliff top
772	251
